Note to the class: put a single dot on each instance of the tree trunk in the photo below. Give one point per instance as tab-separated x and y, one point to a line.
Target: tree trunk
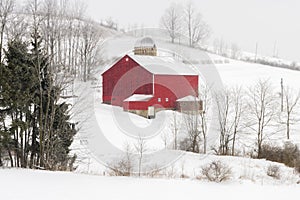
10	157
288	127
1	45
204	143
1	163
233	143
140	165
33	139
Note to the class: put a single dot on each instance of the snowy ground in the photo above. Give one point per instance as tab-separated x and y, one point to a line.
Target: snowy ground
30	185
106	130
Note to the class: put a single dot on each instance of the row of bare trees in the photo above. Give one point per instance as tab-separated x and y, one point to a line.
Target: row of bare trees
241	115
185	20
222	48
72	40
6	8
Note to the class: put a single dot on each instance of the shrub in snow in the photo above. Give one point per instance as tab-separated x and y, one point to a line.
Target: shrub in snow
122	167
297	165
289	154
273	171
271	152
216	171
154	171
185	145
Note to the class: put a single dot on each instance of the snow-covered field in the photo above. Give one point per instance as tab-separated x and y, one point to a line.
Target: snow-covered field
107	129
29	185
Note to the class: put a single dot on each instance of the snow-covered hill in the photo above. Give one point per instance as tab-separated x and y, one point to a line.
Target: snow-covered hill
106	130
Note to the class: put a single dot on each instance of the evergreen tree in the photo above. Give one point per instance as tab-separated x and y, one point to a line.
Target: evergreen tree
16	93
55	130
63	133
40	132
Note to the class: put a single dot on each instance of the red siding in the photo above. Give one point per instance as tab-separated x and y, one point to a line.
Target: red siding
123	79
141	105
171	87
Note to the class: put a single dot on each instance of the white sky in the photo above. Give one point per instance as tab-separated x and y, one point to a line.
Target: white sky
244	22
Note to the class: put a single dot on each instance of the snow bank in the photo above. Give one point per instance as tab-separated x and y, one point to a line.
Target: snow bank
31	185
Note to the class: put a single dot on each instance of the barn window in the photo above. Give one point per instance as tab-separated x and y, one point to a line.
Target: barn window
126	59
159	99
167	99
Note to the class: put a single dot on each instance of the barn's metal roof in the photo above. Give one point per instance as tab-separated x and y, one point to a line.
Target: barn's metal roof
163	65
145	42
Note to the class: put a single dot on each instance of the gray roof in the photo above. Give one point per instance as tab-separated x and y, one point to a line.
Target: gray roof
145	42
163	65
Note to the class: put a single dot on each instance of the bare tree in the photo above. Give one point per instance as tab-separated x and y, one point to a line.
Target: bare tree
165	139
216	44
110	23
197	29
172	21
206	102
238	111
141	148
91	37
51	26
261	110
16	26
175	128
191	120
230	106
33	7
222	99
220	47
235	50
6	8
291	101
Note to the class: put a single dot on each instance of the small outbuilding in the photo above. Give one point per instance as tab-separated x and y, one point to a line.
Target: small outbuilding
189	103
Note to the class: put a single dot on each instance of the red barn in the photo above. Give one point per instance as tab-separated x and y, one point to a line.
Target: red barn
137	82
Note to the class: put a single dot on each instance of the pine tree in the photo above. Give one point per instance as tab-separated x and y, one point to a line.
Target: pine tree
16	92
64	131
55	131
40	65
40	132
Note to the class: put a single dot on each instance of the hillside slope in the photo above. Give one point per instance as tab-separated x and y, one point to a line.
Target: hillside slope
107	129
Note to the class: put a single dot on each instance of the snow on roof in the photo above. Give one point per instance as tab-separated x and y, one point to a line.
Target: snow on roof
189	98
163	65
139	97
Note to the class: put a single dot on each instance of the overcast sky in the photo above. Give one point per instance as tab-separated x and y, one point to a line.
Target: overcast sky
244	22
